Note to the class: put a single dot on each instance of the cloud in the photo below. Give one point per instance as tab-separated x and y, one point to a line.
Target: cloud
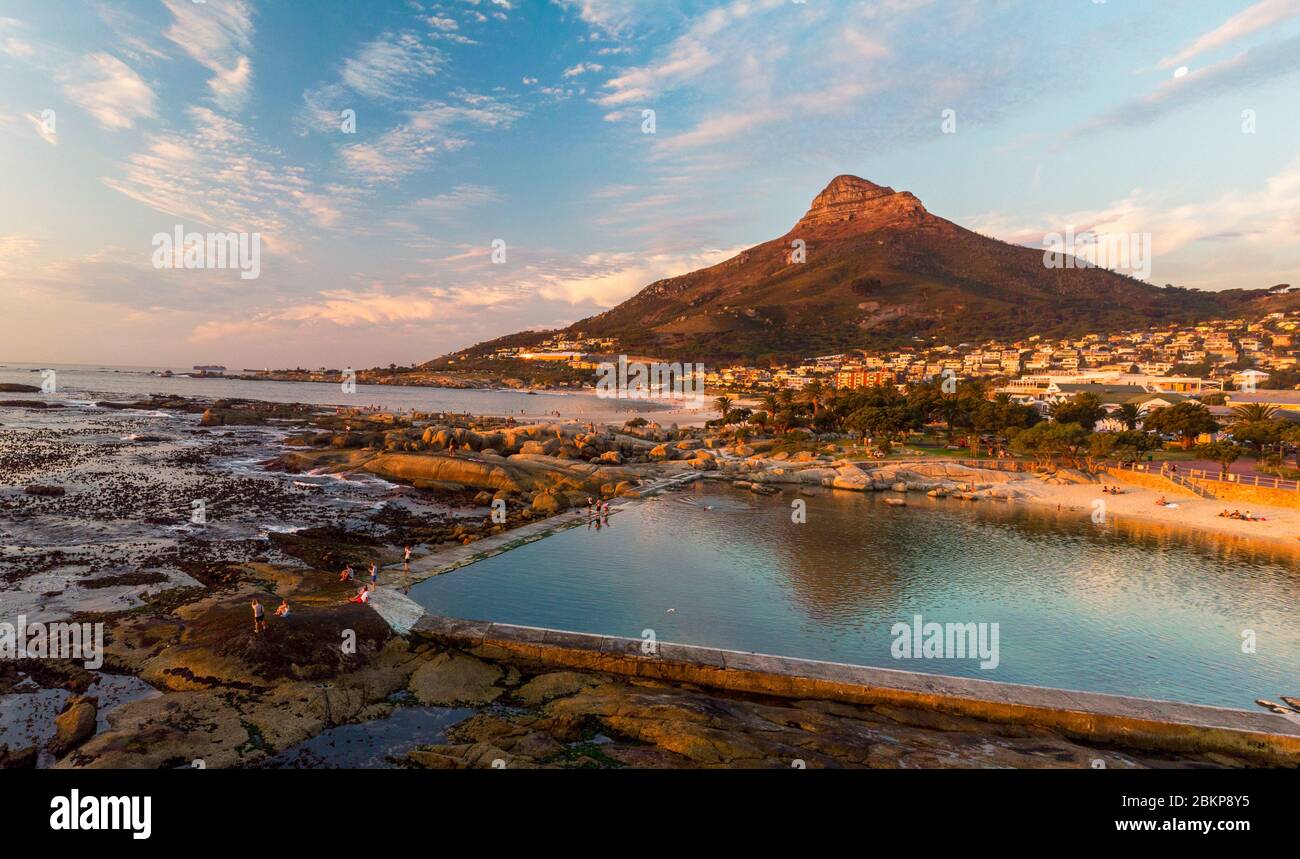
1214	243
12	41
582	69
109	90
613	18
383	306
126	28
433	129
1256	18
217	175
219	37
701	48
47	134
15	249
387	69
456	201
1246	69
604	280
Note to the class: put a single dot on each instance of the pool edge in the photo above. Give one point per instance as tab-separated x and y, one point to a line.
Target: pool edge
1266	738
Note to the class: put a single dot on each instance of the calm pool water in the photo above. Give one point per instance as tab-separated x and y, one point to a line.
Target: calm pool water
1121	608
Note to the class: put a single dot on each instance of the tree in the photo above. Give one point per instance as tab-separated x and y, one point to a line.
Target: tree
1084	409
1186	420
1046	441
813	393
1225	453
1291	436
1126	446
723	405
1129	415
884	422
1000	415
1249	413
1259	434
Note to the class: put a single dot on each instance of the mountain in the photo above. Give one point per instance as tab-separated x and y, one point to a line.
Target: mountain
880	270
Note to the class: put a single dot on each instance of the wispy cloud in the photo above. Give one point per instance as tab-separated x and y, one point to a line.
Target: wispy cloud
431	130
388	69
1259	225
456	201
219	37
109	90
1253	19
582	69
42	128
217	175
1237	73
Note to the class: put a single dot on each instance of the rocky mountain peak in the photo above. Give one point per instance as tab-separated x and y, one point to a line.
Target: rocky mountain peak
852	198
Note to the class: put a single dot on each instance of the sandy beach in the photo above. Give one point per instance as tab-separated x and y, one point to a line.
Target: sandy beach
1280	526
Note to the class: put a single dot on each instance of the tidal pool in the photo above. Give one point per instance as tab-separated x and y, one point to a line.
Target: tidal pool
1123	608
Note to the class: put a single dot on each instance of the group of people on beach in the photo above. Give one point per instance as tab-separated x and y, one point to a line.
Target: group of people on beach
1245	517
1111	490
597	512
259	613
363	593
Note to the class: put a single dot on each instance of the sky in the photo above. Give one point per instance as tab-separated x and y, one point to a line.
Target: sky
380	152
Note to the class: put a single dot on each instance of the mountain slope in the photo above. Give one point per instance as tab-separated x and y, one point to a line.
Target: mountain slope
880	269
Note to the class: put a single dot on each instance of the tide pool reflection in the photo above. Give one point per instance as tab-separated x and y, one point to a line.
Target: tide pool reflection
1121	608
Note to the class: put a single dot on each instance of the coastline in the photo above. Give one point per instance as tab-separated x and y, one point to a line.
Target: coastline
264	696
1279	530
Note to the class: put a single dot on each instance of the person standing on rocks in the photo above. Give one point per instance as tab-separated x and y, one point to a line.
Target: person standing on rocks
374	575
406	559
259	616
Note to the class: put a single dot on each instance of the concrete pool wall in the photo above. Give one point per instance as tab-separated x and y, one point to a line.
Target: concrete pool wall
1266	738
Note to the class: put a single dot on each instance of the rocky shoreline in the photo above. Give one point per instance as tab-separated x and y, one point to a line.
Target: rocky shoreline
233	698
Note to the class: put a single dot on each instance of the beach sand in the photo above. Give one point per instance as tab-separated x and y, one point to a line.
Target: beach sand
1280	528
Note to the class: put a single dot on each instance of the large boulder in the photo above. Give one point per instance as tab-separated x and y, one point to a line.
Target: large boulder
410	468
851	477
452	678
548	503
74	725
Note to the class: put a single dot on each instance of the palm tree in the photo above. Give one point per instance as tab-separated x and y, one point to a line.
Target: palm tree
723	405
812	393
1249	413
1129	414
770	403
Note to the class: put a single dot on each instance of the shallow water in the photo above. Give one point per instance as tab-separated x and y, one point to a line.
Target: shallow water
1120	608
371	745
88	383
